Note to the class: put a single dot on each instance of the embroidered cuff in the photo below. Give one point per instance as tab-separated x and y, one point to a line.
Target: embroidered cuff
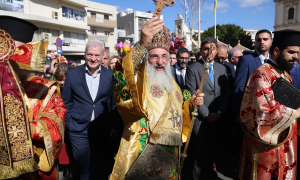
138	54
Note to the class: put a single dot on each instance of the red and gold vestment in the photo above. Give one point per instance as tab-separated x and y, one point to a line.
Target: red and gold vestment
269	147
45	114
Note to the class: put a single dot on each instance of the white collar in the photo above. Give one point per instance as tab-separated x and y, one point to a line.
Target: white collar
87	69
261	57
179	68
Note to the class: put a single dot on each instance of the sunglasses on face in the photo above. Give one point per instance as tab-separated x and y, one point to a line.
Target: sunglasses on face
221	58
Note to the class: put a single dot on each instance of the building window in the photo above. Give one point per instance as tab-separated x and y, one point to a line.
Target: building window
55	34
67	37
76	38
72	14
94	32
291	13
141	23
45	30
106	33
93	14
106	16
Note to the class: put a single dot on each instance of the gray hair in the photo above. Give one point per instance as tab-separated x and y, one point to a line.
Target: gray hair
112	57
94	42
164	80
107	52
231	53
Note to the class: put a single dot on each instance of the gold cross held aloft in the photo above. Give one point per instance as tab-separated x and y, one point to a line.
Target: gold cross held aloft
160	5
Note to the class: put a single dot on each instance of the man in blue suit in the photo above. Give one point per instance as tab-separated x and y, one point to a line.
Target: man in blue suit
246	65
91	114
295	74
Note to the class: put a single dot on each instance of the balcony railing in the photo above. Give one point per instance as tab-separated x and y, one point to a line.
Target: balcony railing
81	3
101	22
102	38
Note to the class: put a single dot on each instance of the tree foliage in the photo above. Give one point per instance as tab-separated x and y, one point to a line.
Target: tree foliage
229	34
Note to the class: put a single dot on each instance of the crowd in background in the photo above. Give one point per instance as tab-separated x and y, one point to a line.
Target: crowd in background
230	135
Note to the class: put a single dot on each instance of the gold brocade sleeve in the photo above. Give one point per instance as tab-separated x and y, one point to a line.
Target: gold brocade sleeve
187	120
130	109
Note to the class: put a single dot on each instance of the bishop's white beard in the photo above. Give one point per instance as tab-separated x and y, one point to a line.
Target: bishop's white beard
164	79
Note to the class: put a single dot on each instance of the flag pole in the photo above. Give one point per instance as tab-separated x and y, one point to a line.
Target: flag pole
215	26
215	12
199	24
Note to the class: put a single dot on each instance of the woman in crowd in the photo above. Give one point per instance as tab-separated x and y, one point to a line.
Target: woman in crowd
112	61
59	76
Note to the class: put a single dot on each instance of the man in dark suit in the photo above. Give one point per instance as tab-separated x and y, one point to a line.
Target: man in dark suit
246	65
91	107
295	74
228	119
203	147
179	69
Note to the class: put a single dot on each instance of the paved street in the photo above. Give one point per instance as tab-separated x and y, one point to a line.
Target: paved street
61	176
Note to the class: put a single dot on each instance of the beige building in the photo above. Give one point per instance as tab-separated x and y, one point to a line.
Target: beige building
66	19
287	15
130	24
102	20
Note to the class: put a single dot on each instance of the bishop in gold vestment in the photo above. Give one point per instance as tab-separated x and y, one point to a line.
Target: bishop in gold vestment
153	107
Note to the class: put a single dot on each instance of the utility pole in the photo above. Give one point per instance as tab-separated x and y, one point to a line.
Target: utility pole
199	24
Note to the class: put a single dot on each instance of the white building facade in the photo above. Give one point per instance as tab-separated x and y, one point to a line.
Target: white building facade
65	19
130	24
102	20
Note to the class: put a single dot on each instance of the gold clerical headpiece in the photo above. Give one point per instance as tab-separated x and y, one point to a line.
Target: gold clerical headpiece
162	40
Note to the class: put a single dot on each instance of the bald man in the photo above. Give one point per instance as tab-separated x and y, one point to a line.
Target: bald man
222	54
228	117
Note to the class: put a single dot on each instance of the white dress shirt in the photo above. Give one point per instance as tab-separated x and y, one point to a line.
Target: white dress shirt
93	85
180	73
262	58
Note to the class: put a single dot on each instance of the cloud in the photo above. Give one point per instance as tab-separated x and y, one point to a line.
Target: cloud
221	6
259	9
119	8
249	3
223	11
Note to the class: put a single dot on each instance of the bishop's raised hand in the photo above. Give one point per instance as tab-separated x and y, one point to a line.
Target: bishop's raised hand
149	29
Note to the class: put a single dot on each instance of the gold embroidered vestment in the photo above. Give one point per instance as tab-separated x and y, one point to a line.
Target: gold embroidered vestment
165	115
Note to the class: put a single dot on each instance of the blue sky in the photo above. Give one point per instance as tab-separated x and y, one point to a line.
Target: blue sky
249	14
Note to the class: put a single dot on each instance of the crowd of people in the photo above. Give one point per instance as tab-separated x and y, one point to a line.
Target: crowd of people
131	116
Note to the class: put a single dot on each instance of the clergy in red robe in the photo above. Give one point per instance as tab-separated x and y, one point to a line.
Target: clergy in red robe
269	149
33	114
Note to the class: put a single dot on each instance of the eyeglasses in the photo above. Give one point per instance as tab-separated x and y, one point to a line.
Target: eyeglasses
156	57
237	57
186	58
221	58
